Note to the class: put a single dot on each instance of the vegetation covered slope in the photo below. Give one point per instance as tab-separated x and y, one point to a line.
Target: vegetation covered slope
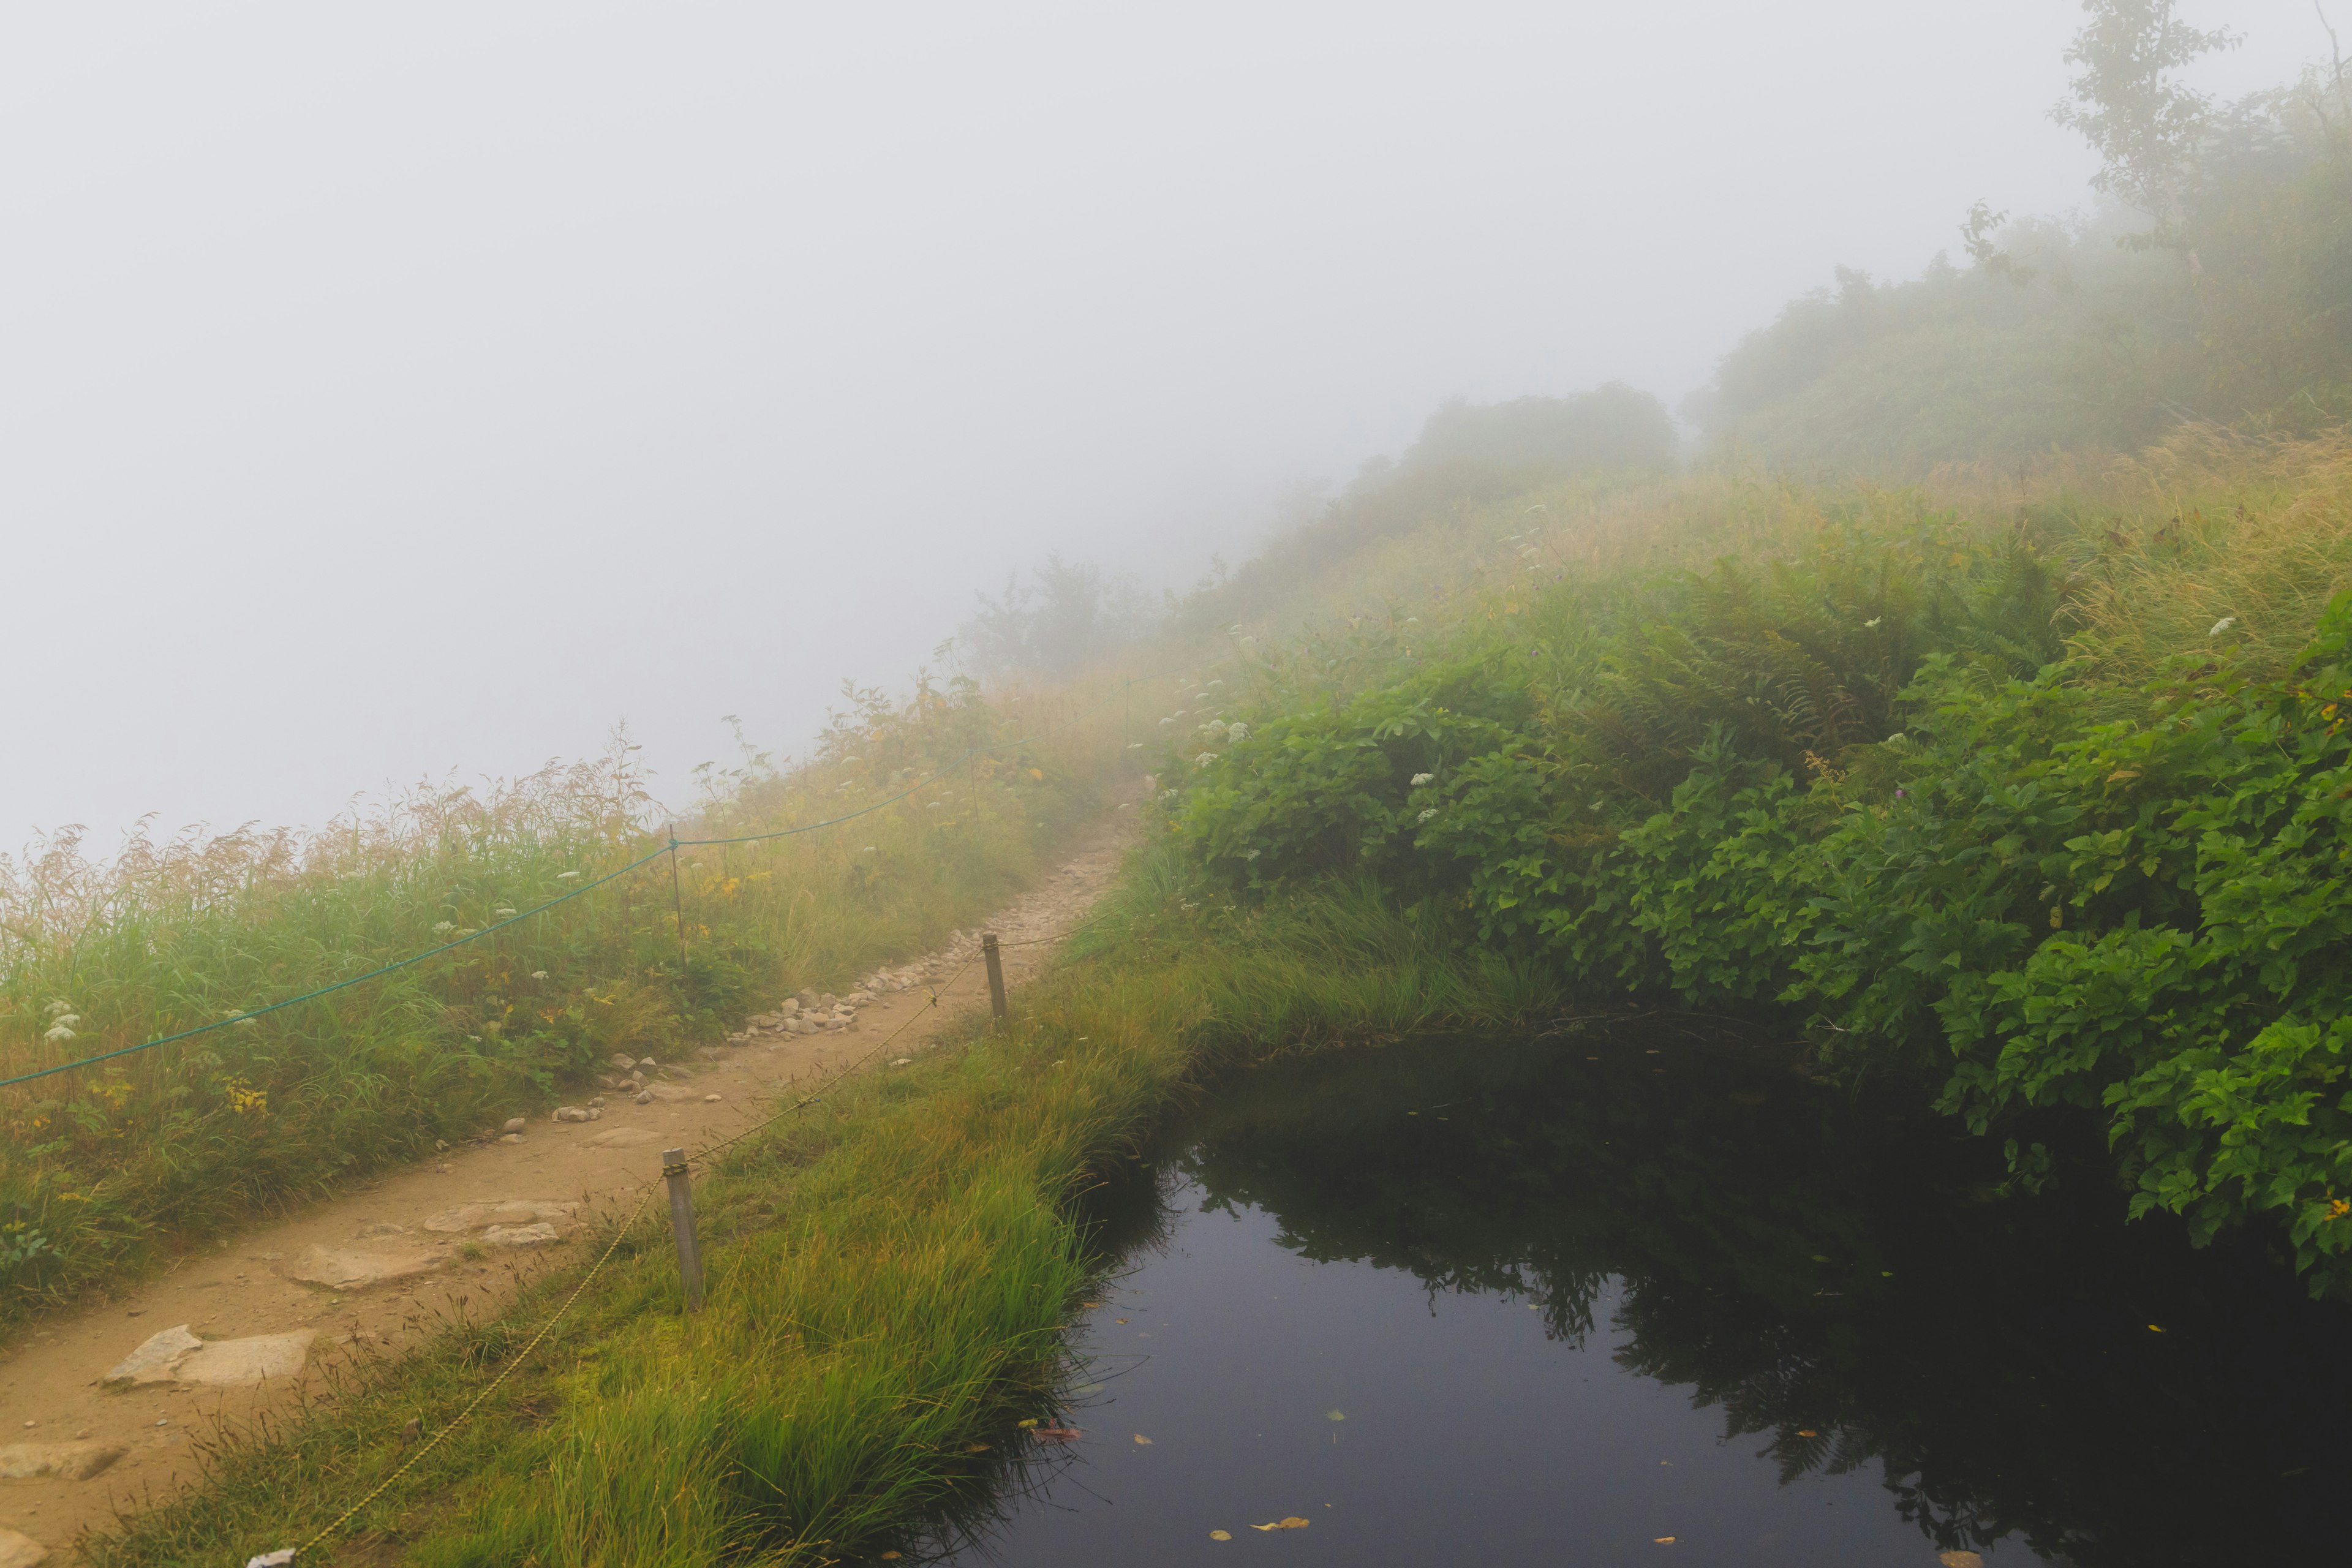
2214	283
1956	789
103	1167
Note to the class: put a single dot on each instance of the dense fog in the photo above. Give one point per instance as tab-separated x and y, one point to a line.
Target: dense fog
433	388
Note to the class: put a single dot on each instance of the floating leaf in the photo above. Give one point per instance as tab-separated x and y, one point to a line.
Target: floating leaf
1031	1422
1663	1539
2155	1329
1960	1560
1221	1535
977	1448
1807	1432
1292	1522
1143	1439
889	1557
1118	1319
1334	1415
1058	1434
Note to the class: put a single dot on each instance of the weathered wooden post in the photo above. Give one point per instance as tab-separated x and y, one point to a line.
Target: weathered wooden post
681	1221
995	975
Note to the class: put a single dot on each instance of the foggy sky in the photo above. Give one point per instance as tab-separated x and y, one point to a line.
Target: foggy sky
393	391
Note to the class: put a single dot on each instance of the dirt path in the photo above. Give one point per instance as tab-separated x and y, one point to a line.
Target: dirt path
457	1234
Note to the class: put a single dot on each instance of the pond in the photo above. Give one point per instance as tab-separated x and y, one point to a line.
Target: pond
1655	1300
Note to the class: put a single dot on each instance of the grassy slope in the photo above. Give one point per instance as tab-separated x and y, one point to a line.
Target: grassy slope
104	1170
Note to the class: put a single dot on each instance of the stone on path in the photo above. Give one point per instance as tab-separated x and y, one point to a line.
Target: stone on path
347	1269
234	1364
19	1550
622	1138
513	1124
66	1461
152	1362
539	1235
669	1092
500	1210
178	1356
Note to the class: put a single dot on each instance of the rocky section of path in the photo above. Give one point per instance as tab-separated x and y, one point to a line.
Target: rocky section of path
97	1411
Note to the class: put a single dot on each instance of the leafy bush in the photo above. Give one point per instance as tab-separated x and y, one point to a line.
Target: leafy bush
1864	782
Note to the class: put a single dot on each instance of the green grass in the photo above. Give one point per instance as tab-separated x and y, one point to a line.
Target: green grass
889	1275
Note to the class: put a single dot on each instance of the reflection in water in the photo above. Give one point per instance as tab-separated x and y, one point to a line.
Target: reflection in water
1831	1280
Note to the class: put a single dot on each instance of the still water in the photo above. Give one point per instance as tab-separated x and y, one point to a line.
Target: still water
1656	1301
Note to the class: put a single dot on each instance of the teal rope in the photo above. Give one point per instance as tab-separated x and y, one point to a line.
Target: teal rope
338	986
674	844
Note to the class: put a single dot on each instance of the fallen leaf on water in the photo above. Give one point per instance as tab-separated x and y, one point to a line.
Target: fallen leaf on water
2154	1329
1663	1539
1960	1560
977	1448
1292	1523
1221	1535
889	1557
1058	1433
1143	1439
1031	1422
1807	1432
1334	1415
1090	1305
1118	1319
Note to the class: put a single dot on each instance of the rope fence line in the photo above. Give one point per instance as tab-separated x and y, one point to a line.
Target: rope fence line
670	847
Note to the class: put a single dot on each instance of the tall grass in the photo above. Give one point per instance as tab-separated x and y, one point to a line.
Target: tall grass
101	1166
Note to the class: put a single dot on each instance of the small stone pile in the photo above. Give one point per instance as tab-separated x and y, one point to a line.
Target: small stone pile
809	1013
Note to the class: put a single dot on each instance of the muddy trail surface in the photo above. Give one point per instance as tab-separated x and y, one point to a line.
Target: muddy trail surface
103	1410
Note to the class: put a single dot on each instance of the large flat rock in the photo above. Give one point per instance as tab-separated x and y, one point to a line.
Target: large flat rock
178	1357
502	1211
153	1360
539	1235
19	1550
238	1363
349	1269
59	1461
622	1138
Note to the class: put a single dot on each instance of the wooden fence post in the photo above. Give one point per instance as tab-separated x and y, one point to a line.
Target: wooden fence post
681	1221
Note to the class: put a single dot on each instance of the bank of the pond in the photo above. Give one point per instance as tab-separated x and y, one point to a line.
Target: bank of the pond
887	1270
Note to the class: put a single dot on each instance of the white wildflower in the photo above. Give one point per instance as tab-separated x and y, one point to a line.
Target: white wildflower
2223	624
1238	730
1871	622
441	926
1167	794
1251	855
565	876
933	806
539	974
1426	815
1204	759
57	1034
868	851
1214	684
55	1008
1420	779
1135	745
1413	620
1167	721
502	911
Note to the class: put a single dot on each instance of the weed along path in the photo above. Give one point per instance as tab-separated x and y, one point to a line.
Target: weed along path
107	1410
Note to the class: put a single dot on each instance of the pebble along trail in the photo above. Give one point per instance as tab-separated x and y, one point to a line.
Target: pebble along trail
99	1407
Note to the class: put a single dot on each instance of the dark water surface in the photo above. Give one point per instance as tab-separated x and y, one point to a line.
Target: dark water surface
1465	1301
